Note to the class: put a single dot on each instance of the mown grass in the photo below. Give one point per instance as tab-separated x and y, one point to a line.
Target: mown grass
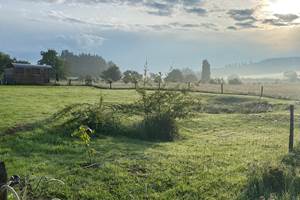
211	161
29	104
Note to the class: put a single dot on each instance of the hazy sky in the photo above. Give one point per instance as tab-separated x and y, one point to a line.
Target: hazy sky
168	32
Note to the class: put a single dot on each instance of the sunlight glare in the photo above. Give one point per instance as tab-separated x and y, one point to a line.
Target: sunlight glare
284	6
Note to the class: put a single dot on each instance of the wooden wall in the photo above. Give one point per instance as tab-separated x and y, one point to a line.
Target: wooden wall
30	75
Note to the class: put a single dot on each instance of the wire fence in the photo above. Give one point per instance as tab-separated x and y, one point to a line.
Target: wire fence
276	90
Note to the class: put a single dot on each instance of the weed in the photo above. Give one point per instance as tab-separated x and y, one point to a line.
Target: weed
84	133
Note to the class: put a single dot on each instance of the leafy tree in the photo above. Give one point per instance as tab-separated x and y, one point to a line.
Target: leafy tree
4	61
291	75
130	76
189	75
112	74
20	61
190	78
157	78
51	58
174	76
216	81
205	75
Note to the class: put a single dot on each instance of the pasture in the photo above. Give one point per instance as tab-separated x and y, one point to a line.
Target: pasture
284	90
210	161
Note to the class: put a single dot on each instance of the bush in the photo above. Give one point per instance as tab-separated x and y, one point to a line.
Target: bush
98	117
159	127
161	109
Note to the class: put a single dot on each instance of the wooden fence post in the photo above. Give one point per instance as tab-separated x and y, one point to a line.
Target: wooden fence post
261	91
3	180
291	139
222	88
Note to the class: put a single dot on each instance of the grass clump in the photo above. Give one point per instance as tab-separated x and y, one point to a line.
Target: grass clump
279	181
233	104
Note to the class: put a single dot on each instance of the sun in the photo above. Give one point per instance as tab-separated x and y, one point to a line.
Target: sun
284	6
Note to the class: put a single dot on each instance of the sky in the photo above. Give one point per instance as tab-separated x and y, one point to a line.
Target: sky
177	33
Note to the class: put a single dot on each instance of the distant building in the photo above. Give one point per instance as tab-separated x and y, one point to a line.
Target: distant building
27	74
205	74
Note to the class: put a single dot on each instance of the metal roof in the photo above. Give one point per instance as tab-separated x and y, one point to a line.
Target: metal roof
19	65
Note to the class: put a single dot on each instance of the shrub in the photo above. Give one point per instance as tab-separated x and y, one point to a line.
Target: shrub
174	104
102	119
161	109
159	127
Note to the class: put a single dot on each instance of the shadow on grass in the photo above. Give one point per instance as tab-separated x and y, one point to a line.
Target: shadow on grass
277	181
46	149
51	139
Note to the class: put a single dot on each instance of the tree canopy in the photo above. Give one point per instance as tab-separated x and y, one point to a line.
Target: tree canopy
51	58
130	76
174	76
5	60
157	78
189	75
112	74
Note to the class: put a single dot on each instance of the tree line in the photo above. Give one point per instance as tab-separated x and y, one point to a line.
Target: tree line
91	67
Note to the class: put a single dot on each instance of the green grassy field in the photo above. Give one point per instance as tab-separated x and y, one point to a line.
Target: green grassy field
211	160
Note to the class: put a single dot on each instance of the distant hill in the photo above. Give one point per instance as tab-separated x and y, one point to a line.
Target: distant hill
268	66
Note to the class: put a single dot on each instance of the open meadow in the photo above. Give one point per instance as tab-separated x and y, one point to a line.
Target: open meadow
219	145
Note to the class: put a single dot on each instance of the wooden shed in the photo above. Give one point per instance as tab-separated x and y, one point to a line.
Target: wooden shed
27	74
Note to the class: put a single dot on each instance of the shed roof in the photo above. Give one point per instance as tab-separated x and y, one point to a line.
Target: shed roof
19	65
